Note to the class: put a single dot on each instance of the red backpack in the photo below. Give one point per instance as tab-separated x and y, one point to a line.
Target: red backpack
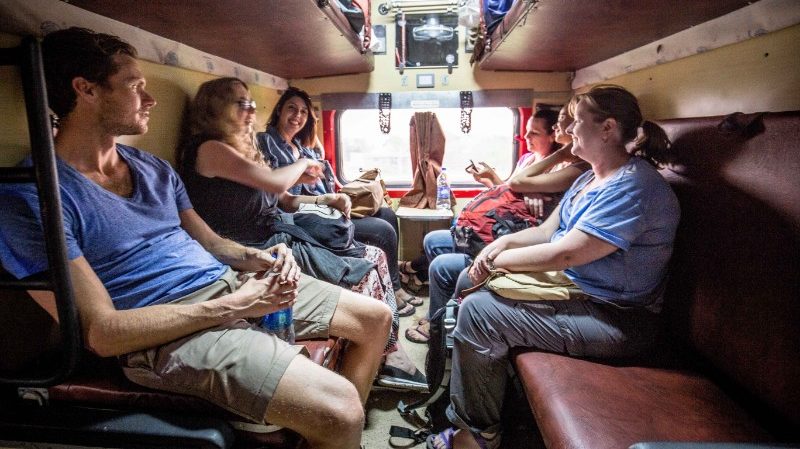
493	213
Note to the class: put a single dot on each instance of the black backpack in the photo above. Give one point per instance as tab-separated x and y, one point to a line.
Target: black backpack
438	364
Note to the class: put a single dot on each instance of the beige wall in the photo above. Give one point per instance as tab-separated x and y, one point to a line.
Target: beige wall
171	86
760	74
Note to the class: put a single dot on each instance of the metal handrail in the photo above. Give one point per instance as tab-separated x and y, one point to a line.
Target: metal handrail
28	56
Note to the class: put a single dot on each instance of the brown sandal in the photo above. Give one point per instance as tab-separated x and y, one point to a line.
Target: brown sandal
409	278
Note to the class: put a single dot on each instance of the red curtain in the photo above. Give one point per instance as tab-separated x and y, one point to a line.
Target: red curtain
427	153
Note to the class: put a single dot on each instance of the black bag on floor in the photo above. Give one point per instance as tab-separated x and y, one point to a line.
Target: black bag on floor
438	365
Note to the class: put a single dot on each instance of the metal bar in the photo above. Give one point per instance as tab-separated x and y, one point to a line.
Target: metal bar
14	175
46	176
429	6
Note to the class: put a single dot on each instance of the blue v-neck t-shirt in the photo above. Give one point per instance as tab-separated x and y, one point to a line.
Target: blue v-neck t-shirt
135	245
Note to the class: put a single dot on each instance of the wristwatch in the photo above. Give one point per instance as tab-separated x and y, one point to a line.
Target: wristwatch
490	263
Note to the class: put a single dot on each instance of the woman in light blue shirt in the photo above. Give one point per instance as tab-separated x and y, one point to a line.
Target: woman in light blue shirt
611	237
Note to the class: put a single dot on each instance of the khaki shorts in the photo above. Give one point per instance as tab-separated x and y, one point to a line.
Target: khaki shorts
237	365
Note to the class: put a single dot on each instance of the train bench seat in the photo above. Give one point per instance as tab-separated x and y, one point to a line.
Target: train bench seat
727	368
98	404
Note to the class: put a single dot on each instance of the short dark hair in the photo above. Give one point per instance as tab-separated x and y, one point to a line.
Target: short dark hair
78	52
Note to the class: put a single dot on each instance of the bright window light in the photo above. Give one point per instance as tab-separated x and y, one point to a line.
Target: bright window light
363	146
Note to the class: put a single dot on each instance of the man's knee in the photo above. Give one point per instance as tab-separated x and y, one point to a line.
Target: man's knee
361	317
315	401
341	410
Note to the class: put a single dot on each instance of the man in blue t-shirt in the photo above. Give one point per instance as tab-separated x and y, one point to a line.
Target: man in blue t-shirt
157	287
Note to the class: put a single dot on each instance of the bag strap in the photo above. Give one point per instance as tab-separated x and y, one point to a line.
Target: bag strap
409	412
416	436
475	288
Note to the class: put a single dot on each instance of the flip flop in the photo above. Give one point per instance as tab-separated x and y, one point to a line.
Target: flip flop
407	309
446	436
419	333
415	301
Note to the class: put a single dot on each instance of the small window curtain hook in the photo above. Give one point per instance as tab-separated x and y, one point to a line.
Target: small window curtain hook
385	112
467	104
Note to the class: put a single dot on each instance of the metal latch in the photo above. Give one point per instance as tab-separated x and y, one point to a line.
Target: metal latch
40	395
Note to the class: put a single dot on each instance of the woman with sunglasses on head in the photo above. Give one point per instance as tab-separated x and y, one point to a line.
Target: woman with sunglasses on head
238	194
289	137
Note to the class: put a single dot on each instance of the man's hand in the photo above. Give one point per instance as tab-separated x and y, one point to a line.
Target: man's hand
314	170
264	293
276	259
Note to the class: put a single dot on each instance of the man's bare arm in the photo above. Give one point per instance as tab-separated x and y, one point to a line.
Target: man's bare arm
111	332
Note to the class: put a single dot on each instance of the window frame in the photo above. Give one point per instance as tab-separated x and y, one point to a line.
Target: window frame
516	150
518	100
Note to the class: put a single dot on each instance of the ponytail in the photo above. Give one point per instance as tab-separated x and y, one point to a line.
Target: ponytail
652	144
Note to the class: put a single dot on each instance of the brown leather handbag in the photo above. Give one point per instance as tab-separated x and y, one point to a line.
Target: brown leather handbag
367	194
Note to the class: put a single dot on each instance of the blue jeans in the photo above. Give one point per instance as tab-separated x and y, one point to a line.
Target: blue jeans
445	266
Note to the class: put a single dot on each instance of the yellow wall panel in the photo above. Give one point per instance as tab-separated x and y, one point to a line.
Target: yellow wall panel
760	74
172	88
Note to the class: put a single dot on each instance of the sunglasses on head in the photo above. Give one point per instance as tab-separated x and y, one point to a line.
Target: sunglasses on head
247	105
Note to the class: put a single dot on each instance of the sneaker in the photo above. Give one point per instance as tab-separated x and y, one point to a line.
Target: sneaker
396	379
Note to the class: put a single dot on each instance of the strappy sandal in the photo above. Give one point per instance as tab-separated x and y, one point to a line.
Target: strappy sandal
409	278
419	333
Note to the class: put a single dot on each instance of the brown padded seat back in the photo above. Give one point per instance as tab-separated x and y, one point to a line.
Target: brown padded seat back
735	279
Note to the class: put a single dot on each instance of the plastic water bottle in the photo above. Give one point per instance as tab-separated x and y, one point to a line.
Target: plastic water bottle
442	191
280	324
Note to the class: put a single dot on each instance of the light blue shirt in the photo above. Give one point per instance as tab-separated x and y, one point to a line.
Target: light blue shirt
135	245
636	211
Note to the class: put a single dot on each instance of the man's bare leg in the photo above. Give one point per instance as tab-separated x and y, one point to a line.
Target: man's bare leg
319	404
366	323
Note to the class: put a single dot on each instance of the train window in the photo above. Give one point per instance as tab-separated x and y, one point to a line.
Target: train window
362	145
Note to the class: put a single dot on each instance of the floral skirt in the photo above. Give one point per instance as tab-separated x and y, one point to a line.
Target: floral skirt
378	284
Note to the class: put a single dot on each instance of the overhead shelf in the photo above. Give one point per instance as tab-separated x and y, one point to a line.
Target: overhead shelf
291	39
567	35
